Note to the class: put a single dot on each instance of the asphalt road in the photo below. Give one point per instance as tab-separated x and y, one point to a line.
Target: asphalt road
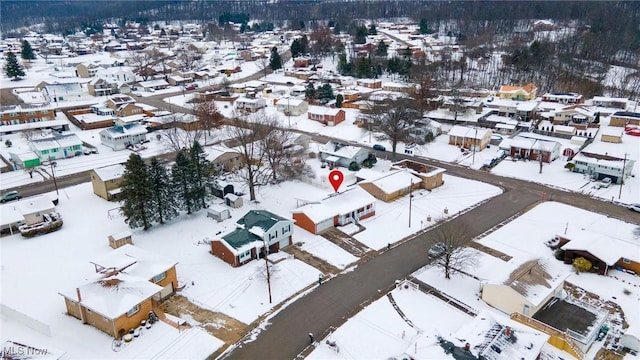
331	303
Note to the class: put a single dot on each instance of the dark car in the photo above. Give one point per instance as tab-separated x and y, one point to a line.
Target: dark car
10	196
437	249
379	147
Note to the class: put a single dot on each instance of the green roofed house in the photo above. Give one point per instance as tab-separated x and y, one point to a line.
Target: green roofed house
253	231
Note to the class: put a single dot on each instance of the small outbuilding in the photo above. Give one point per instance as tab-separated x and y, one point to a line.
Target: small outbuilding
219	212
120	239
233	201
631	338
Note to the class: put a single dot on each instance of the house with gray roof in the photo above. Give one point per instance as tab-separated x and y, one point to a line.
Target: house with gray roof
254	231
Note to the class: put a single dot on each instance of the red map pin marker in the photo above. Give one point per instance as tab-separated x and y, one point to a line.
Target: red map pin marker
335	178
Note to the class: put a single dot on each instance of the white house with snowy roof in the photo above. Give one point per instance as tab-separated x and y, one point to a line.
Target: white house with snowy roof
293	107
341	154
468	137
119	137
338	209
526	287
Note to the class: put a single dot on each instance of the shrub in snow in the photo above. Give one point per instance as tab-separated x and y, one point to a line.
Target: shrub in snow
51	223
354	166
581	264
559	254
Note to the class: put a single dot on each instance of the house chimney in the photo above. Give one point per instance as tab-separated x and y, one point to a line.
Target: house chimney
78	293
507	331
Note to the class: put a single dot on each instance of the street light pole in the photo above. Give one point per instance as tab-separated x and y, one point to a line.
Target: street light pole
53	174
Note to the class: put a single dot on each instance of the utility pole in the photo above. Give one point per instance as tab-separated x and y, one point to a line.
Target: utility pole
624	163
266	263
410	196
475	142
55	183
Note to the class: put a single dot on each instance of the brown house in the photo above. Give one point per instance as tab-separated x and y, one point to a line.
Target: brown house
603	251
129	284
224	159
431	177
327	116
117	101
391	185
106	181
344	208
128	110
25	113
301	62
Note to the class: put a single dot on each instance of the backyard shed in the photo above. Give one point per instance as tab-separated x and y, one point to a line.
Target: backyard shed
233	201
120	239
219	212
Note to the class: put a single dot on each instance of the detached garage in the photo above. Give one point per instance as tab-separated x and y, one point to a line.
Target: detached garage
218	212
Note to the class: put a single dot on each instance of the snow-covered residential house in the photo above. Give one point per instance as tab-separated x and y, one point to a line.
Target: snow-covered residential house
622	118
325	115
106	181
338	209
527	288
578	116
292	107
152	85
34	209
57	146
62	92
119	137
599	166
524	147
255	230
604	251
403	177
134	261
494	336
342	155
469	138
113	302
525	92
250	104
569	98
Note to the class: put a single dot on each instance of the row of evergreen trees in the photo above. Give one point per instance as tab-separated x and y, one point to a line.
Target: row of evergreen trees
12	67
154	194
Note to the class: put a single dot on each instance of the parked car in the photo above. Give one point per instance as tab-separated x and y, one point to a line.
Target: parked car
379	147
191	87
437	249
605	183
10	196
634	207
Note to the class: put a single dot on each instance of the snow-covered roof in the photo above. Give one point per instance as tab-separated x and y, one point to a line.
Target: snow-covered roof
394	181
289	102
337	204
134	261
489	328
537	278
606	248
463	131
126	130
611	131
110	172
35	205
613	164
93	118
339	150
114	295
217	208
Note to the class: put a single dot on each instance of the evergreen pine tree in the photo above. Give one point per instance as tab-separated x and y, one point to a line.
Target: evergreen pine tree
12	67
27	51
275	61
137	194
164	204
182	179
202	175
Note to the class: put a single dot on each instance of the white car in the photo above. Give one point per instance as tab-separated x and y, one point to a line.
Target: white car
634	207
605	183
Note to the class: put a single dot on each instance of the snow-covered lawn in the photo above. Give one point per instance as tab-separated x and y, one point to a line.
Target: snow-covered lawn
379	332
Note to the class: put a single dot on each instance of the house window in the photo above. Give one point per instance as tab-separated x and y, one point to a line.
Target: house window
626	261
159	277
133	310
244	256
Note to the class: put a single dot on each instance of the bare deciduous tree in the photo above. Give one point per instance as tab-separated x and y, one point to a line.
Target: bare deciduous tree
209	117
394	118
189	58
247	131
142	63
274	146
177	139
263	64
456	257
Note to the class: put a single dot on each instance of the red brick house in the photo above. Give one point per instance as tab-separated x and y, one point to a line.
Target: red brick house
327	116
